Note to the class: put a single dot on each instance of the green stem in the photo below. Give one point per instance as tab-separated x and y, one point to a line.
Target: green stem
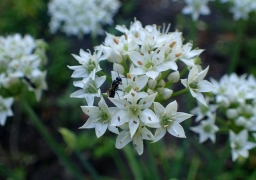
103	74
237	46
183	72
152	162
94	39
120	166
192	31
134	165
87	165
180	92
51	142
193	169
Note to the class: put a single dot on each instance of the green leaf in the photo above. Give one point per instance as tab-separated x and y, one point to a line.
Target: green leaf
69	138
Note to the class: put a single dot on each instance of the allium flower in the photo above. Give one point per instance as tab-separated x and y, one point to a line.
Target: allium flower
21	60
5	109
196	7
196	84
240	145
134	110
100	118
125	137
170	120
206	129
241	9
78	17
89	64
146	67
90	89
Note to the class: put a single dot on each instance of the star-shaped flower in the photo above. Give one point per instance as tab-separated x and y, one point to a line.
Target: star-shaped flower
100	118
196	84
170	120
239	144
134	110
90	89
206	129
125	137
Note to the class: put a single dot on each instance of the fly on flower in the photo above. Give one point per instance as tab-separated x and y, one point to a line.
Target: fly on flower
114	87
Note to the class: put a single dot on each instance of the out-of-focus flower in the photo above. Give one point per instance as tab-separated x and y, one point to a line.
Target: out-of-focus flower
5	109
196	7
78	17
206	129
240	145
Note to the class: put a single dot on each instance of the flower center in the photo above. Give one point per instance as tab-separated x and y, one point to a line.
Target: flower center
135	110
149	64
167	120
92	88
104	117
2	107
207	128
193	85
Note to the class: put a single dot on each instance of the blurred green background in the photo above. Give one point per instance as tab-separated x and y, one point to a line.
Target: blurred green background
24	154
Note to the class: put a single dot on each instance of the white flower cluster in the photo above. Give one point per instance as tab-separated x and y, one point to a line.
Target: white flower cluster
241	9
146	64
21	59
235	97
78	17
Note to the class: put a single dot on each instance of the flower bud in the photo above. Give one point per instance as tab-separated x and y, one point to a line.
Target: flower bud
152	83
231	113
174	77
161	83
165	92
118	68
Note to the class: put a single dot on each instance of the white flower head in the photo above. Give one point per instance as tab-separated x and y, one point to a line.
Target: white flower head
206	129
81	16
100	118
169	120
240	145
197	84
89	89
134	110
5	109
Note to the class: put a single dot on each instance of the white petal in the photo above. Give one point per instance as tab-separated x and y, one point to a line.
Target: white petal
176	130
90	123
205	86
148	116
152	74
100	128
147	101
158	108
171	108
160	132
138	143
113	129
120	103
146	134
91	110
133	125
180	116
122	139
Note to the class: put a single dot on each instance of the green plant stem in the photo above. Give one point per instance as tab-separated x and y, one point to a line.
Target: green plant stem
237	46
94	39
51	142
103	74
87	165
192	33
183	72
193	168
120	166
180	92
134	165
152	162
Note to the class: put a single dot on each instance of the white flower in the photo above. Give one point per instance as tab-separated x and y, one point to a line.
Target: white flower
196	7
201	110
170	120
5	109
81	16
196	84
188	56
100	118
206	129
125	137
241	9
90	89
89	64
150	64
134	110
239	144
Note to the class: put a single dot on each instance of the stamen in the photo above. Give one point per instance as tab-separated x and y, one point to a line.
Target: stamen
177	55
140	63
172	44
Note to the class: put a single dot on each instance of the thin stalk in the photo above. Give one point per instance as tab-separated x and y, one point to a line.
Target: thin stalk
180	92
152	162
193	169
6	172
103	74
183	72
87	165
237	46
94	39
192	34
120	166
50	140
134	165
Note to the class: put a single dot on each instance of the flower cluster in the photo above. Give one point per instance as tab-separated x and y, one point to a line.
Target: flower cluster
232	104
147	63
81	16
21	59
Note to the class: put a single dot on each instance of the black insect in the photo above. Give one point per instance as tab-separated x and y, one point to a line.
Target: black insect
29	82
114	87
